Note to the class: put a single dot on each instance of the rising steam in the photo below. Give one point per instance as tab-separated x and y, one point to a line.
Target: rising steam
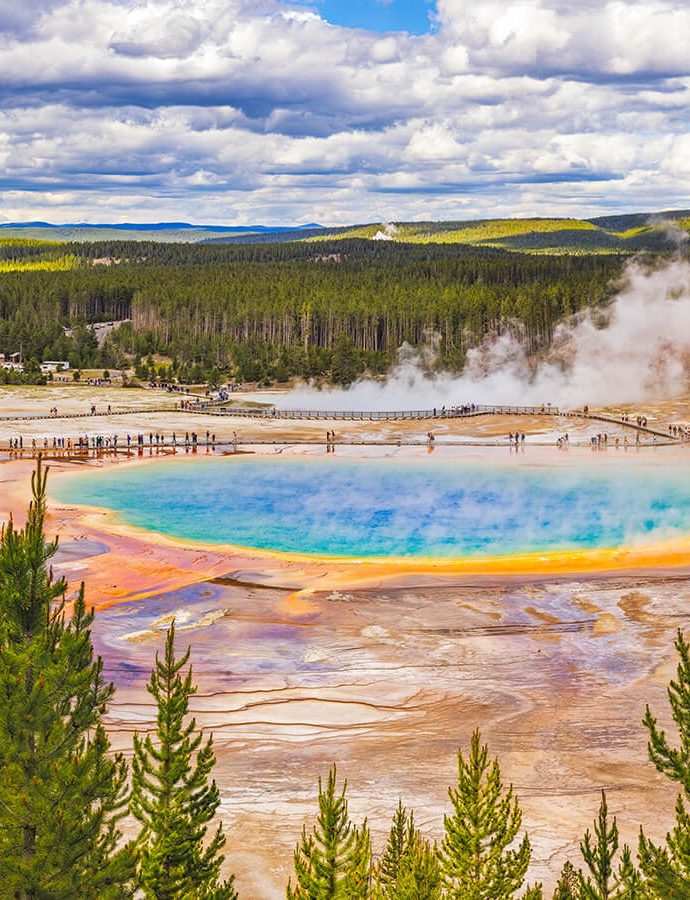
387	234
636	350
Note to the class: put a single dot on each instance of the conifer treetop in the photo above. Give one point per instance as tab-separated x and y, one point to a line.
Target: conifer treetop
334	860
478	856
62	791
172	795
666	869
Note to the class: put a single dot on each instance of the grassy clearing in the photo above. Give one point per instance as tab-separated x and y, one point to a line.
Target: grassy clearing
633	232
474	233
29	243
58	264
541	236
365	232
497	229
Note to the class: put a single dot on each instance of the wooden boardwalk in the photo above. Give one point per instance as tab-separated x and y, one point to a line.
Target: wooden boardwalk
271	413
399	415
225	447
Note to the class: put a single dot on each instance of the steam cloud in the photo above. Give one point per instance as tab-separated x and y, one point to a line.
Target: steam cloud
636	350
388	234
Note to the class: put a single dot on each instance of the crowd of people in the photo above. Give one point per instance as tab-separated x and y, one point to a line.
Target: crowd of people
640	421
464	409
191	439
222	393
601	441
680	432
192	405
82	442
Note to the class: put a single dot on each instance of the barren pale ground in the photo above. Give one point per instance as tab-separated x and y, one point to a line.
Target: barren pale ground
387	678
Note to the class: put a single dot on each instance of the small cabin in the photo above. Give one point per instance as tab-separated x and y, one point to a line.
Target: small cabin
11	361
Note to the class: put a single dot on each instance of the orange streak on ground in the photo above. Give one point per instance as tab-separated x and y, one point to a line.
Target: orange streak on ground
333	572
186	562
141	563
561	724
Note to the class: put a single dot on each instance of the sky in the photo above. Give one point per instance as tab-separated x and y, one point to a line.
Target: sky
411	16
340	111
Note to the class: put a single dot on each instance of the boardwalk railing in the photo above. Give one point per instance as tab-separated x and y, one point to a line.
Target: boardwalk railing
213	408
131	411
354	415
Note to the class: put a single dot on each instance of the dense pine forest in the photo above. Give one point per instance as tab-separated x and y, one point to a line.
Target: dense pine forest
269	312
64	794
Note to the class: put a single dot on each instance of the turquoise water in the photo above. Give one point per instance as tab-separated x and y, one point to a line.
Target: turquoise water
369	508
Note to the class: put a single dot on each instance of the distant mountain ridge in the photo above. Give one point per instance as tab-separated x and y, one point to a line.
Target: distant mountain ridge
160	226
617	233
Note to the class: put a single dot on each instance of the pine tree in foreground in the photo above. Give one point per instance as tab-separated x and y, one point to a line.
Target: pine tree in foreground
172	796
568	886
334	861
478	860
62	793
533	893
603	883
667	869
409	868
390	864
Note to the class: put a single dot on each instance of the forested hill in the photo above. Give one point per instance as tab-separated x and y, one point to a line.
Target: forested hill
655	232
616	233
330	309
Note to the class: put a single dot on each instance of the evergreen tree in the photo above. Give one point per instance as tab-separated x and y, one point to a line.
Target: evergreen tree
533	893
603	883
62	793
476	858
631	885
172	797
357	881
667	869
32	372
334	861
420	873
388	869
599	856
409	868
345	365
568	887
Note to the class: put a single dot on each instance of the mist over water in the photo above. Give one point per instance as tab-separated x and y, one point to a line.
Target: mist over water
635	350
393	507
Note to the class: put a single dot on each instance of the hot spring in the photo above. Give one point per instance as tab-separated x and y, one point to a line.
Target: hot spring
414	508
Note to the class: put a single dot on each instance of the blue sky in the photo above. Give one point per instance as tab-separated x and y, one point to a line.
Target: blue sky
411	16
279	112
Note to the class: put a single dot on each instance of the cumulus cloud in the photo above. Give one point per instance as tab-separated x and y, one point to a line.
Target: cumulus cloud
240	110
610	38
20	18
164	37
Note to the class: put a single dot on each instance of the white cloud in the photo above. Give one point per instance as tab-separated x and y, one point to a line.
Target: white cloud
434	142
241	110
613	37
160	36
